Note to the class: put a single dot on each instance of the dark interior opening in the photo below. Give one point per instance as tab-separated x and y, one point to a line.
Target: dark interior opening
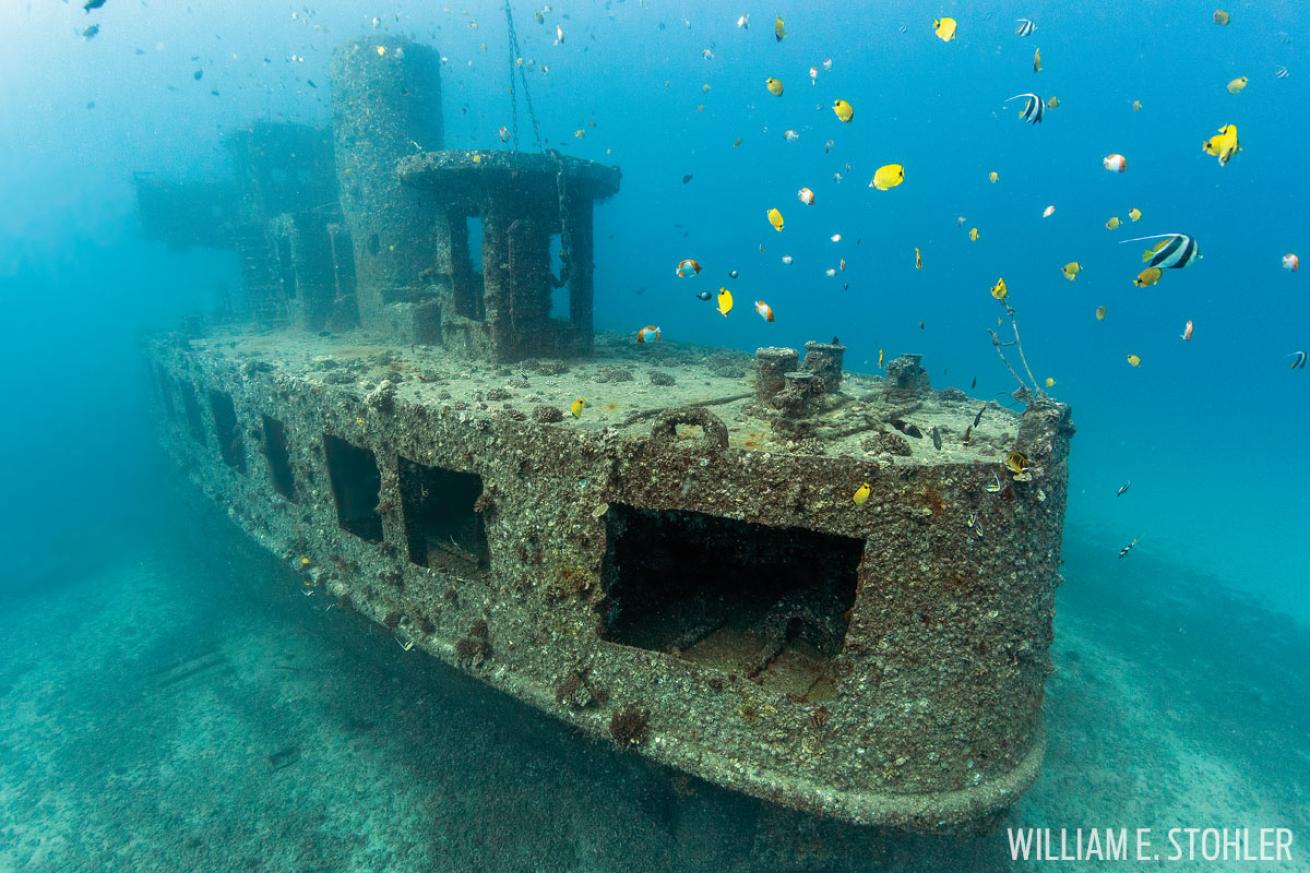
356	485
442	528
195	424
769	603
225	428
278	453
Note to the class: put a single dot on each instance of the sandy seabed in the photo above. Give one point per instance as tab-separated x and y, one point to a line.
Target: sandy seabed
180	705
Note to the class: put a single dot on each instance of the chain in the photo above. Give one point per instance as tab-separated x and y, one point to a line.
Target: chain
561	183
513	96
515	65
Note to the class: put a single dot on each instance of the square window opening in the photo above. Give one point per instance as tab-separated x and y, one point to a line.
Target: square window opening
278	452
227	431
443	528
769	603
356	487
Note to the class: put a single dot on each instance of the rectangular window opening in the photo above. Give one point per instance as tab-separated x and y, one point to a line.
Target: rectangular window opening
769	603
560	307
195	424
356	487
227	430
443	528
278	453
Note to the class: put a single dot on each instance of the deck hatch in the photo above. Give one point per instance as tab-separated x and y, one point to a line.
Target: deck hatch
744	597
356	486
443	528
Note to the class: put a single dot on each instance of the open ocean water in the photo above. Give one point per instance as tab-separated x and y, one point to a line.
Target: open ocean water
169	701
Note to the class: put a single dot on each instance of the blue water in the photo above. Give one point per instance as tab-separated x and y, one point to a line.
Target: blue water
1211	433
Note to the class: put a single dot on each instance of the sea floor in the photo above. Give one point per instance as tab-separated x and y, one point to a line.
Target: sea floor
180	705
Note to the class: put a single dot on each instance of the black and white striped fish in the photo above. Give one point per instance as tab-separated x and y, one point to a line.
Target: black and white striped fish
1123	553
1033	108
1025	27
1177	250
1298	360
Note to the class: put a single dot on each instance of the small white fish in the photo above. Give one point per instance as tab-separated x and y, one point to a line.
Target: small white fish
830	272
559	34
790	135
744	21
1048	211
827	65
836	237
786	259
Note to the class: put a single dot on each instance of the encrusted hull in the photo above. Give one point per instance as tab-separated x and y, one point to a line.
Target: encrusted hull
682	567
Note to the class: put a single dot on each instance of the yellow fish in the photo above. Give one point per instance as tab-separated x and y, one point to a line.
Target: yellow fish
1224	145
779	29
944	28
1016	462
887	176
1221	17
993	177
1037	61
725	302
973	234
880	359
844	110
999	290
1113	223
1137	105
918	260
861	494
1236	86
1135	214
1053	102
774	86
1071	270
1134	360
1148	277
775	219
575	409
1100	313
1050	382
578	134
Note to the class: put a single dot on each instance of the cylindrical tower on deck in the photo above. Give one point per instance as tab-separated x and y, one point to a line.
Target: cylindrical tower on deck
386	99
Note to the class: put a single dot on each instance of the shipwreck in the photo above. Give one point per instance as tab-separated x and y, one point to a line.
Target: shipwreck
822	588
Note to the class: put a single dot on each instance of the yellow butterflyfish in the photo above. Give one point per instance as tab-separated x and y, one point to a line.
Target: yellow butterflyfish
725	302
